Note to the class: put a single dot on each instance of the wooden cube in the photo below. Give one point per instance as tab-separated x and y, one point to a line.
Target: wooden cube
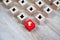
29	24
8	3
22	2
31	9
55	4
22	17
14	10
39	18
48	10
39	4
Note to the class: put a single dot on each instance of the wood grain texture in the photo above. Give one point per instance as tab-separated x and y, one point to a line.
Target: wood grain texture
10	29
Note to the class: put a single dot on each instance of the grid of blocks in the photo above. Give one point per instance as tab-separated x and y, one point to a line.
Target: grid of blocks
22	9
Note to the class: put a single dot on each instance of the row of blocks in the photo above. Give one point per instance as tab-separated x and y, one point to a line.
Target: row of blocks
31	9
14	10
39	3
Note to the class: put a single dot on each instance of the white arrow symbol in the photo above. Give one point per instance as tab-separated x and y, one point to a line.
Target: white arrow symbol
29	23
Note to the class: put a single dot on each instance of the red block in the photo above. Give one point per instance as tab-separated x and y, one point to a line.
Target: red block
29	24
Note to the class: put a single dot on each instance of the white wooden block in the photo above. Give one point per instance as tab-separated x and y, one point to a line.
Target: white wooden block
23	2
39	3
22	16
57	3
48	10
39	18
14	10
7	2
31	8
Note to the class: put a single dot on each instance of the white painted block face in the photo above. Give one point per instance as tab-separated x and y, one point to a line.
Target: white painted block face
57	3
40	17
39	3
23	2
22	16
7	2
14	10
31	8
48	10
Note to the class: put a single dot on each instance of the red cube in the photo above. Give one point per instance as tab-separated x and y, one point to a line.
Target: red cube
29	24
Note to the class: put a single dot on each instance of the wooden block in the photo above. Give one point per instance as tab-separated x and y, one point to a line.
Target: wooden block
31	9
14	10
48	10
8	3
22	2
39	18
22	17
29	24
55	4
39	4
